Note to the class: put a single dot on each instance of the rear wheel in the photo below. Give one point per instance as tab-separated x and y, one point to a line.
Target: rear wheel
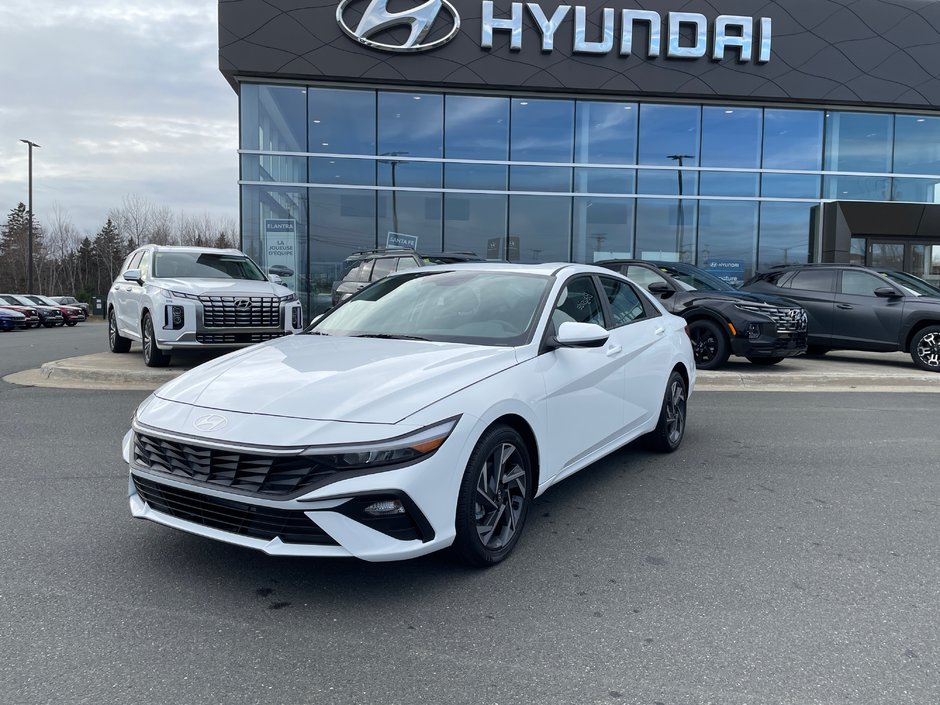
494	497
71	323
766	361
925	349
153	356
117	342
668	434
709	344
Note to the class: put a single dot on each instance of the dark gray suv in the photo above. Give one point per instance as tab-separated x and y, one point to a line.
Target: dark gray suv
850	307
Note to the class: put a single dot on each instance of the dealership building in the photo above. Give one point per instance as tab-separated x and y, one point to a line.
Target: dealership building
730	134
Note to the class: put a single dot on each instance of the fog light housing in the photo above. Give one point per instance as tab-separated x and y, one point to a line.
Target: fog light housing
385	507
753	330
174	317
296	317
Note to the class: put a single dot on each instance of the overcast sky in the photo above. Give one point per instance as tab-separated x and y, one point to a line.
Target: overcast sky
125	98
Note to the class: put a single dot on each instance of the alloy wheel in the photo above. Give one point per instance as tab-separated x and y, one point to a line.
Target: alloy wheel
928	350
675	411
499	500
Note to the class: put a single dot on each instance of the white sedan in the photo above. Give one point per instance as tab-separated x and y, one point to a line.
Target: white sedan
427	411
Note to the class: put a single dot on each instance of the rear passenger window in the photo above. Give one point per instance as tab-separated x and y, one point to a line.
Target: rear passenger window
359	273
383	267
406	263
625	303
813	280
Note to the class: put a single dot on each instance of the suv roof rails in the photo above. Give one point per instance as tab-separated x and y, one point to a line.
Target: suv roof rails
378	250
820	264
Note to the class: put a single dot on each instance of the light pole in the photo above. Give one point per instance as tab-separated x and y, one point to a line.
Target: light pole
29	273
679	214
393	163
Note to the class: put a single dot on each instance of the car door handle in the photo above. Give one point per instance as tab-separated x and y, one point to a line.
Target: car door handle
613	350
659	331
845	307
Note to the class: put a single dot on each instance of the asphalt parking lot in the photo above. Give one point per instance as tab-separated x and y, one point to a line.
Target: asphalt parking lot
786	554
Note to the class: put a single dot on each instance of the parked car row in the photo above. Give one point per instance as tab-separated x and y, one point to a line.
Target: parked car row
33	310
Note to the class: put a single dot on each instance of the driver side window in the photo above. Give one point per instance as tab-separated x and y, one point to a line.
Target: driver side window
578	302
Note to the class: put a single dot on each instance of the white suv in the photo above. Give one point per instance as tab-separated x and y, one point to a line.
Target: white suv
196	297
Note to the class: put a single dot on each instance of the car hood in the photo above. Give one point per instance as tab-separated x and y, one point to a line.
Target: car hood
740	297
332	378
222	287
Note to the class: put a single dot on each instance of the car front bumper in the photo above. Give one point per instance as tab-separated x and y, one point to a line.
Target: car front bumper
328	521
772	345
192	332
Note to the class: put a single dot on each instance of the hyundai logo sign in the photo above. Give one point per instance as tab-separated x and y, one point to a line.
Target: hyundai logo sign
418	20
677	35
210	422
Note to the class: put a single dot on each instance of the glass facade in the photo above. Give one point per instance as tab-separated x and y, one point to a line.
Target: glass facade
334	170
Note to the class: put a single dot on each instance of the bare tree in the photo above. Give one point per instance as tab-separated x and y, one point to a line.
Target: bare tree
134	219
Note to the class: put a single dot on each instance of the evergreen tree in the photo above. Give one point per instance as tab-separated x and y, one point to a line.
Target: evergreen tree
14	249
109	250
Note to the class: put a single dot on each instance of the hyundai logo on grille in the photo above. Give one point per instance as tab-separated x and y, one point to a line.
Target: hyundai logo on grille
243	305
419	21
210	422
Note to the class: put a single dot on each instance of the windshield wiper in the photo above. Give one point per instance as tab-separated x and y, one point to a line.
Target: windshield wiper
389	336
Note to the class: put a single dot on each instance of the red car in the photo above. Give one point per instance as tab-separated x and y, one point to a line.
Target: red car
32	315
70	314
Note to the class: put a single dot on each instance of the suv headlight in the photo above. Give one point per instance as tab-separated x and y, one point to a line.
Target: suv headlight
183	295
394	451
289	297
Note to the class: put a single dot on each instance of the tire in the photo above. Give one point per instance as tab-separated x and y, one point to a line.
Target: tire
153	356
709	344
49	325
71	323
817	350
494	498
670	430
925	349
117	342
765	361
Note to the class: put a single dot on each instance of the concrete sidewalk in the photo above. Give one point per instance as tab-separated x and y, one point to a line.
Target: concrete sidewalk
836	372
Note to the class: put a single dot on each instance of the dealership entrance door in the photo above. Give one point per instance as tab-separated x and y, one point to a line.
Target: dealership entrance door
903	236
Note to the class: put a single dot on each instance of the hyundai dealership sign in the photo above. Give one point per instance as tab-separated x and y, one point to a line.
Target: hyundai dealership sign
687	33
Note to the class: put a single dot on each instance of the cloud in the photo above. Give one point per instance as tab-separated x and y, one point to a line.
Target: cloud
124	98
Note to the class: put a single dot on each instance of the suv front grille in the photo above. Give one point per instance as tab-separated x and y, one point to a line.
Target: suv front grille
240	311
229	515
235	338
255	474
789	319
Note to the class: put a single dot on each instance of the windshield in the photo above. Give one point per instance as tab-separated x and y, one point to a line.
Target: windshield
40	300
913	285
483	308
697	280
205	265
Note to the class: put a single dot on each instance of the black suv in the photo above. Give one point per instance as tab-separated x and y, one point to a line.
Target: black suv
367	266
722	320
851	307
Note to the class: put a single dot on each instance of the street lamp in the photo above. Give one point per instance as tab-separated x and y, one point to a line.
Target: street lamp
679	213
29	273
394	163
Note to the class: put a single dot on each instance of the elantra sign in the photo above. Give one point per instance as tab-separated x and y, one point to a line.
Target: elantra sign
688	35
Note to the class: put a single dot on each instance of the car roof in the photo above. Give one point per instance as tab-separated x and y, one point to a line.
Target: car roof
182	248
544	268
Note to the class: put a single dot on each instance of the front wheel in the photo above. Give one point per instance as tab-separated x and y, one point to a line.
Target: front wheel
709	344
71	323
494	497
153	356
669	431
765	361
817	350
925	349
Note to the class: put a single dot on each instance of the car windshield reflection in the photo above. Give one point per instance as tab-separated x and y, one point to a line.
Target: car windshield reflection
482	308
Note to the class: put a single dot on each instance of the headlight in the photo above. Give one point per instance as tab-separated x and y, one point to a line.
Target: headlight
289	297
183	295
394	451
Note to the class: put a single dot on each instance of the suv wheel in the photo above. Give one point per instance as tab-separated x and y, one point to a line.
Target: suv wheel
925	349
709	344
153	356
117	342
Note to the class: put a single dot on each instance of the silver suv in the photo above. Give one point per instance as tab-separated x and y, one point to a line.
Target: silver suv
196	297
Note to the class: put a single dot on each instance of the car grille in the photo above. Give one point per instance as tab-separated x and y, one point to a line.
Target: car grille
789	319
255	474
240	311
232	516
235	338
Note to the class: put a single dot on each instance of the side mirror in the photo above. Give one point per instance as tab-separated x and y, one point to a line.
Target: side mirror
275	279
659	288
133	275
581	335
887	292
